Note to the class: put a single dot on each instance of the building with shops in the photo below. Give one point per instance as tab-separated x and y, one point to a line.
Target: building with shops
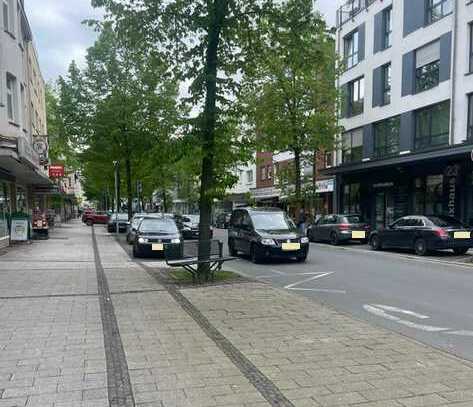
23	144
407	115
272	181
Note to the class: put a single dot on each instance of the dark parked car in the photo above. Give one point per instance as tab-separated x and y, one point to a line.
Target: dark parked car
265	233
339	228
189	226
153	233
424	233
122	223
135	221
223	220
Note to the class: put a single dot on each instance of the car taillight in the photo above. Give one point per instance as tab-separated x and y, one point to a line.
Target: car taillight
441	233
344	226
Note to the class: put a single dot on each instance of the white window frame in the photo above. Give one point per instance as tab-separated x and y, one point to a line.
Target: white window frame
12	98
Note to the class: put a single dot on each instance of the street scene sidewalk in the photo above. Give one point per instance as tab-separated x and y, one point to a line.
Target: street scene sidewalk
84	325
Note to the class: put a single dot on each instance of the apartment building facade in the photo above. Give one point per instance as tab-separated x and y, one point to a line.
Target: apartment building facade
23	143
407	109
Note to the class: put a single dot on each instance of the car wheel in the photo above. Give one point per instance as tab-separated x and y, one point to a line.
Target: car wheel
89	223
255	257
334	241
420	247
302	259
460	250
136	251
231	248
375	243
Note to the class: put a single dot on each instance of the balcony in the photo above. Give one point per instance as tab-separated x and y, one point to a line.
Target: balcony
350	9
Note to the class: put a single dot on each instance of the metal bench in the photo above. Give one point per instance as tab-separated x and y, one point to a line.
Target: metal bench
186	255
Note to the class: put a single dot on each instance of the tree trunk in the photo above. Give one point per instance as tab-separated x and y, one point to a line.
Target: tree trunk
218	10
297	177
129	190
165	201
119	200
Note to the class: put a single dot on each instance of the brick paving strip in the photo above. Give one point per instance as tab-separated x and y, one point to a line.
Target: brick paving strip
262	383
120	393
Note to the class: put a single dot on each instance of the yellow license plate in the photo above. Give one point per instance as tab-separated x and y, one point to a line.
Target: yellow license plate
157	247
358	234
291	246
462	235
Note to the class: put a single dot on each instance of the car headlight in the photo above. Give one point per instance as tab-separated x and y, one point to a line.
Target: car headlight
142	240
176	241
268	242
304	240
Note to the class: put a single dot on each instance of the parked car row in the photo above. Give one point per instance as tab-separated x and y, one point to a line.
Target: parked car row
418	233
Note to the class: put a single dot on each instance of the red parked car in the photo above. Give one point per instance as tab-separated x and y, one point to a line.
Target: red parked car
96	218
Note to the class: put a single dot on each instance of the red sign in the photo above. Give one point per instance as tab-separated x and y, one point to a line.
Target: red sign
56	171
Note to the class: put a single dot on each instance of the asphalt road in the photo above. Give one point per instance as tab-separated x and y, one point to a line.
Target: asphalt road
428	299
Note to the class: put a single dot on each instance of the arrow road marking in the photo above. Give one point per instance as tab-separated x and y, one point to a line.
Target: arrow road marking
315	276
401	311
460	333
381	313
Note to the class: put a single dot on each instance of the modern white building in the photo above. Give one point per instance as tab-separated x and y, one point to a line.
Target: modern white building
23	142
407	109
240	192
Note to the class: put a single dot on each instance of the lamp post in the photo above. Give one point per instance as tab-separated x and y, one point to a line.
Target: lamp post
116	165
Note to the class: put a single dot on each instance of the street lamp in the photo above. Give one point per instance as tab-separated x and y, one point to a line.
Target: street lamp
116	165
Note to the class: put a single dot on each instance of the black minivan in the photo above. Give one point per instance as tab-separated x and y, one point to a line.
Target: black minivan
264	233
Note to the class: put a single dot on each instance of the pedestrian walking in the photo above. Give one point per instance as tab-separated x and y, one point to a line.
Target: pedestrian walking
301	220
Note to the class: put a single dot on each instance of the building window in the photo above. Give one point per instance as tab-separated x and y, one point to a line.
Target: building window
352	146
470	117
351	198
428	195
328	159
386	78
12	98
268	172
387	27
351	48
6	15
470	56
437	9
433	126
356	96
428	66
249	176
263	173
386	137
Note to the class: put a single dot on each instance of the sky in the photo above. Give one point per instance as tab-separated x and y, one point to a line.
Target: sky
60	37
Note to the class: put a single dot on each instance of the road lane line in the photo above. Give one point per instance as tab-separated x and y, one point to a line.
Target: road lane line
460	333
320	275
320	290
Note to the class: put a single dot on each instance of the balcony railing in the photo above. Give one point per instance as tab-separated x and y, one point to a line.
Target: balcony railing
350	9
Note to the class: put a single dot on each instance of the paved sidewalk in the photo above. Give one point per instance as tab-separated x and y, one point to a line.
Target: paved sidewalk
96	329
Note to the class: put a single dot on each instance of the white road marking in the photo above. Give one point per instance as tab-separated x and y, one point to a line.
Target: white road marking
460	333
320	290
315	277
381	313
401	311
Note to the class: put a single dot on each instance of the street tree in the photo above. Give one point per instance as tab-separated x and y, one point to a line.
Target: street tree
290	92
207	44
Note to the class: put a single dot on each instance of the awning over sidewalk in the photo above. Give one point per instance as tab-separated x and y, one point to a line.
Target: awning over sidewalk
20	167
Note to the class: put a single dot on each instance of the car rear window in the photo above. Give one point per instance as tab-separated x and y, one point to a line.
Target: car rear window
352	219
445	221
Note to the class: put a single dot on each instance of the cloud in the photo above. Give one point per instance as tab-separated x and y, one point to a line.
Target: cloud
59	34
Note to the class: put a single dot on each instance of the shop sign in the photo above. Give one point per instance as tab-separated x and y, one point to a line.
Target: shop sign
40	146
26	152
383	185
56	171
452	173
262	193
324	186
19	229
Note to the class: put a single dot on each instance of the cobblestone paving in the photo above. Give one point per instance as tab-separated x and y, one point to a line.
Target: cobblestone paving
319	357
51	346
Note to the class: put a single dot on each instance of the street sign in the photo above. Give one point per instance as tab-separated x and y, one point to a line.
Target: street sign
19	229
56	171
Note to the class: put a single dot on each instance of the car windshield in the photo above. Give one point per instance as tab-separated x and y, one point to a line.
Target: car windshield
121	216
164	225
445	221
353	219
192	218
271	221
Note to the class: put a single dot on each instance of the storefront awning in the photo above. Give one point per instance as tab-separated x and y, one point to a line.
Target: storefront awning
12	166
444	153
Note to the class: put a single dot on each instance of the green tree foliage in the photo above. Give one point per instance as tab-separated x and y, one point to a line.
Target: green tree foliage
290	92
